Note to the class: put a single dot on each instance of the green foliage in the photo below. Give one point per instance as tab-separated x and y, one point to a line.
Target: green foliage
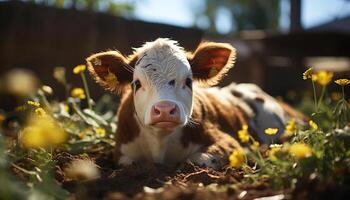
89	131
10	188
110	6
246	14
316	150
329	143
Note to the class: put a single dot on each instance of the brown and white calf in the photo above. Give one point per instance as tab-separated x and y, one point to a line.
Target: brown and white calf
169	115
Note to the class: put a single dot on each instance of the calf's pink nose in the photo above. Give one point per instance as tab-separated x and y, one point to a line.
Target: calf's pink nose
165	111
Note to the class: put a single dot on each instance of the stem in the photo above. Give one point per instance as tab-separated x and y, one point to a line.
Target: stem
315	95
262	161
51	152
322	95
343	108
77	110
45	101
86	90
67	87
23	170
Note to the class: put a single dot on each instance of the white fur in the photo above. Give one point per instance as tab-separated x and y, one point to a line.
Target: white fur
165	61
166	149
269	113
227	98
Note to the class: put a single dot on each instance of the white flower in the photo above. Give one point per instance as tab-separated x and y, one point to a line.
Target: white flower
82	169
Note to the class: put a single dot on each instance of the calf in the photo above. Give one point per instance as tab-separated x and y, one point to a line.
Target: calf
167	112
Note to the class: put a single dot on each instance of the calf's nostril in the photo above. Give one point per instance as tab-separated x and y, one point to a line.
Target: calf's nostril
165	110
156	111
173	111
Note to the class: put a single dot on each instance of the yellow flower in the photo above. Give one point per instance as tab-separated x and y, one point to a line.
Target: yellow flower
243	134
20	108
65	107
307	74
276	146
323	77
33	103
342	82
42	132
100	132
32	137
40	112
237	158
79	69
78	93
213	72
300	150
255	146
272	152
56	137
313	125
82	135
290	127
271	131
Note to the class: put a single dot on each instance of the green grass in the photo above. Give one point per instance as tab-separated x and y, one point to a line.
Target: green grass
90	126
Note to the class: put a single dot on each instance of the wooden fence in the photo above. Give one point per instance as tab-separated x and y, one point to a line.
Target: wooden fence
40	38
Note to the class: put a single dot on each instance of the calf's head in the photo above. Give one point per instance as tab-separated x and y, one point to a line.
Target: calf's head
160	74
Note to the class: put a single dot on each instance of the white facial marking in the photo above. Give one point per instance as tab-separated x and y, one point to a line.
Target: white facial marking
160	75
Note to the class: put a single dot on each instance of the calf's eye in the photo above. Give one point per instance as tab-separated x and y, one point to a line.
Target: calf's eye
136	85
172	82
188	83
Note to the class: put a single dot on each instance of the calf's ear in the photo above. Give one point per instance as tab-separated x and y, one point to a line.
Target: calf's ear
111	69
211	61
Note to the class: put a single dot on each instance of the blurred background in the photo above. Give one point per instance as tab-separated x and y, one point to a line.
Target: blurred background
276	40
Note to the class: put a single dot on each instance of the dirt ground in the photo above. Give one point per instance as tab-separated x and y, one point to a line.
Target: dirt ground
185	182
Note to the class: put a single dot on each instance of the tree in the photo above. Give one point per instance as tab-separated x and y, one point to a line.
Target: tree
245	14
111	6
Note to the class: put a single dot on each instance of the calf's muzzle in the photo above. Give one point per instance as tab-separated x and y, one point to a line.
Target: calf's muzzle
165	114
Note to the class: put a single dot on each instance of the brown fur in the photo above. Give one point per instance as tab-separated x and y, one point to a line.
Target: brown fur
212	114
128	128
217	125
208	55
100	64
216	121
213	121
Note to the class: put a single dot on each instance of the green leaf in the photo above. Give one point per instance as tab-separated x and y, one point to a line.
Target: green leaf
95	116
